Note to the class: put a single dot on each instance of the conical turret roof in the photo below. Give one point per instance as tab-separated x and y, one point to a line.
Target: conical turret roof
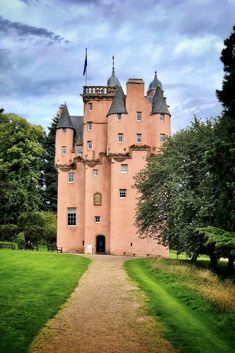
113	80
159	105
64	119
118	105
155	83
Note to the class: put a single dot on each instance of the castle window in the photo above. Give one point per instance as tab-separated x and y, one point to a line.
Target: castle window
64	130
89	145
162	117
138	138
79	150
162	138
70	177
97	219
95	172
119	116
89	107
138	116
120	138
63	150
124	168
89	125
97	199
71	216
122	193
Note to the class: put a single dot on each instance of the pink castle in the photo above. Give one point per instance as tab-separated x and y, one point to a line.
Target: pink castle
97	156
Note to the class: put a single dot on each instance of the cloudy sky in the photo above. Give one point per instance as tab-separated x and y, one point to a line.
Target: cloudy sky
42	46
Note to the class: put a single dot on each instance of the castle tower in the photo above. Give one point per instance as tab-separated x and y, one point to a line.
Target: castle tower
104	150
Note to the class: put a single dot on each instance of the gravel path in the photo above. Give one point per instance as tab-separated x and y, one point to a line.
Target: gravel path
103	315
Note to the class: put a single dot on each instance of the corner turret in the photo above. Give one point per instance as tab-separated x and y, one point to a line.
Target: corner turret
159	105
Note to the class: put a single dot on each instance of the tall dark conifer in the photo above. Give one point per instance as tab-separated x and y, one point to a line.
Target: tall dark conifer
221	158
49	173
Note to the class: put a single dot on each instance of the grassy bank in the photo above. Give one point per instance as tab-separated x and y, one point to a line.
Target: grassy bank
34	285
194	321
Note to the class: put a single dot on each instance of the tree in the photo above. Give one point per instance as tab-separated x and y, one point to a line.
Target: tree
49	173
20	153
175	191
223	149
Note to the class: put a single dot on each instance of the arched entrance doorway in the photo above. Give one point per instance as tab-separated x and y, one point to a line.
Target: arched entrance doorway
100	244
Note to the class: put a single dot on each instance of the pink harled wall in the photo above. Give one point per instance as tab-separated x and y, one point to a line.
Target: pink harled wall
107	154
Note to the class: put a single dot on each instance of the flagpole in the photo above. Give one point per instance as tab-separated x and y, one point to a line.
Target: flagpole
86	68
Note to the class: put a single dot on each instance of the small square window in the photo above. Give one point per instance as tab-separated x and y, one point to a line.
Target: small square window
63	150
71	216
119	116
79	151
64	130
89	145
162	117
89	107
70	177
138	138
162	138
95	172
138	116
120	137
124	168
89	125
122	193
97	219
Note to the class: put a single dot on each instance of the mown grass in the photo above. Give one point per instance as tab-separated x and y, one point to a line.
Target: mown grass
34	285
194	322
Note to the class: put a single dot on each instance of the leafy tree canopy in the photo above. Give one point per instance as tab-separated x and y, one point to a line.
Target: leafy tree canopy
20	153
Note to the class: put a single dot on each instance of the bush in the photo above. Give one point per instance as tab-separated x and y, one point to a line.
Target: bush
28	219
20	238
8	232
34	234
39	227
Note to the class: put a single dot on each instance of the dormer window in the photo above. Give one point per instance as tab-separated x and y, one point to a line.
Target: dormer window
89	107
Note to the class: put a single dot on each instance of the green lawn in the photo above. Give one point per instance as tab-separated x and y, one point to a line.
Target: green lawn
191	322
34	285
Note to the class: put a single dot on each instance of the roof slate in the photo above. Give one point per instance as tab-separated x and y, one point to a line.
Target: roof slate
155	83
64	120
159	105
118	105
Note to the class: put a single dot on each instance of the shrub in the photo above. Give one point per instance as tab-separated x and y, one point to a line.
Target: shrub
8	232
38	226
20	238
33	234
28	219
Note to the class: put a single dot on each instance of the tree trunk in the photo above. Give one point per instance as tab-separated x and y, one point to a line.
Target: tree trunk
230	262
194	258
213	260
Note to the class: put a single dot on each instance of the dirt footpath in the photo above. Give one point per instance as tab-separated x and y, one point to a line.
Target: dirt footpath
103	315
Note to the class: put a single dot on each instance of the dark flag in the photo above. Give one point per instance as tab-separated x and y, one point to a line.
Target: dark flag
85	64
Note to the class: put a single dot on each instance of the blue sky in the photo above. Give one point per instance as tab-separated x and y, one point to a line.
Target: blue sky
42	46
